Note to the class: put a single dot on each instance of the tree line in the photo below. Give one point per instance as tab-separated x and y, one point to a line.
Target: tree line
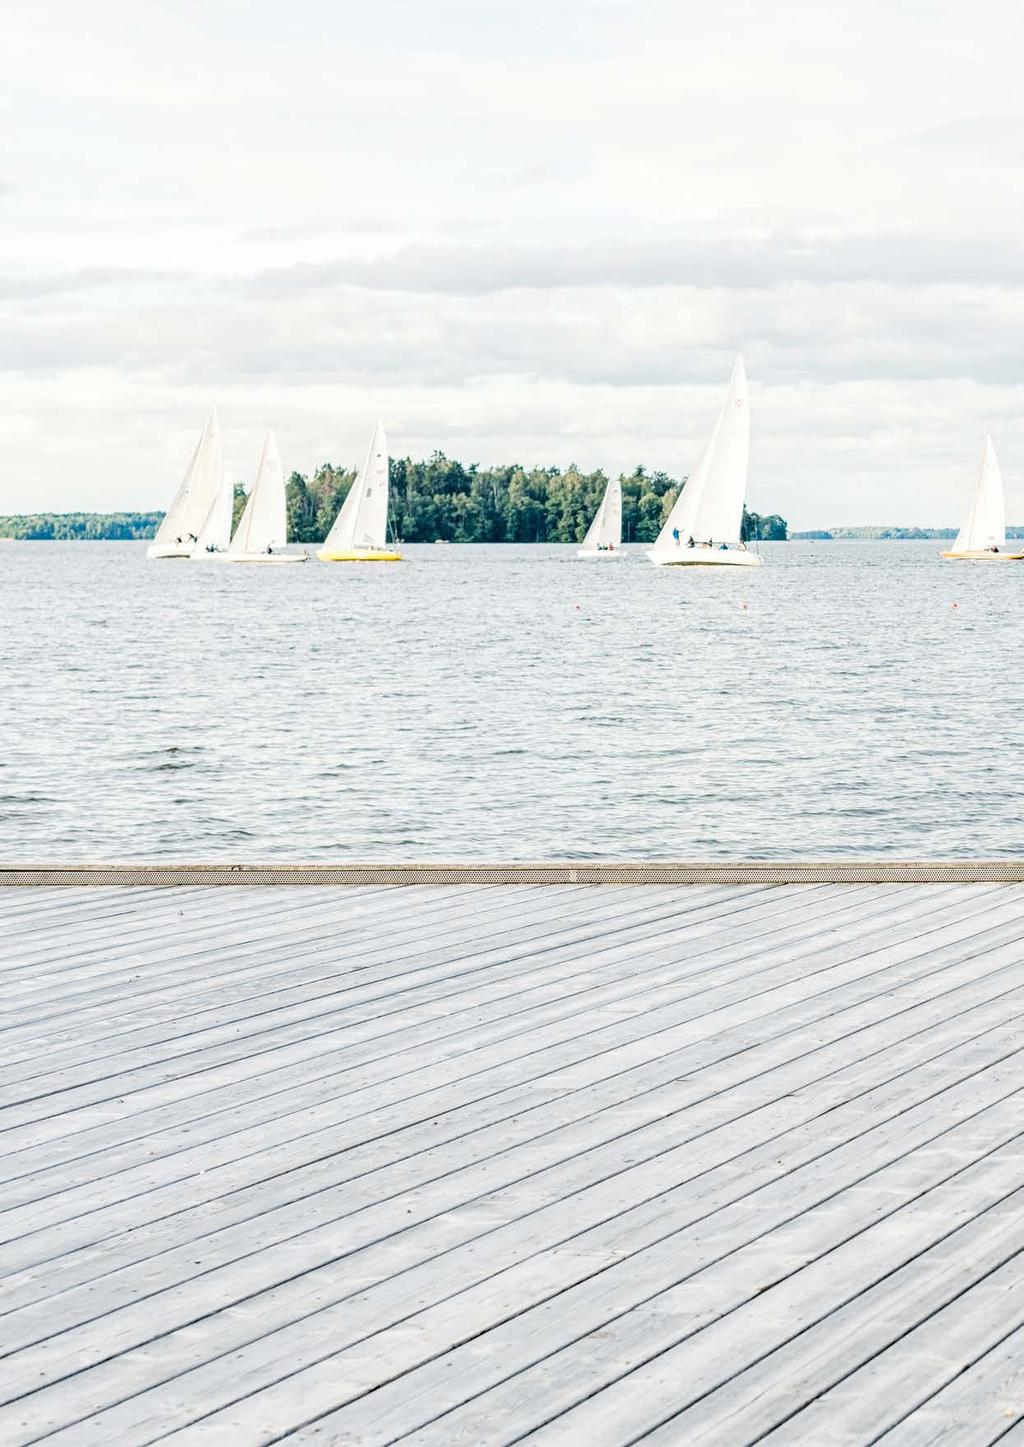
438	498
91	526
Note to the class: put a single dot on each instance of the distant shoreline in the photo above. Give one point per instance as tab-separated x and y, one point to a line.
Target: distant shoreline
141	527
885	535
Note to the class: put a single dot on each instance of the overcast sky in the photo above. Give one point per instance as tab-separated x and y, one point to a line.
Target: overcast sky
516	230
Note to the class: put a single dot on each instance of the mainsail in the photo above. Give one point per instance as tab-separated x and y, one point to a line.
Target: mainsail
184	519
263	524
985	525
215	533
363	519
710	506
606	529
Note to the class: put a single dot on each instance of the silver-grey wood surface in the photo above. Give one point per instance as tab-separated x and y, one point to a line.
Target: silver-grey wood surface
485	1164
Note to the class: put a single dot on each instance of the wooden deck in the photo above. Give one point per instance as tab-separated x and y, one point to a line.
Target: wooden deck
485	1164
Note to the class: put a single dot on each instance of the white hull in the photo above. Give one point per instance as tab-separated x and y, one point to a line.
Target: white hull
985	555
269	558
169	550
604	553
683	557
217	556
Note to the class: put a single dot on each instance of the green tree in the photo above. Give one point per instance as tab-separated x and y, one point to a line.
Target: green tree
438	497
238	505
763	527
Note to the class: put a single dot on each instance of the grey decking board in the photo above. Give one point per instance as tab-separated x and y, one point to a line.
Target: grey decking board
900	979
883	1329
589	1253
643	1336
582	937
537	1107
983	1404
139	1235
270	962
357	956
329	1377
322	1008
101	961
68	1119
541	1106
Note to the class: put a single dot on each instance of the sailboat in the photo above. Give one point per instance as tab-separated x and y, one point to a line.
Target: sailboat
983	535
604	536
703	527
215	534
263	527
179	531
359	534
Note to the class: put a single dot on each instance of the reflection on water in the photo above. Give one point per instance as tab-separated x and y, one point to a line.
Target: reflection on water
508	702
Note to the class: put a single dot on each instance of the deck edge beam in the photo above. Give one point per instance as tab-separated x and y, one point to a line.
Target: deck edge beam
796	871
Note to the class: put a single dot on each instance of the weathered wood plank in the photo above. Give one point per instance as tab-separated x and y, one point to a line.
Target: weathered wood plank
469	1163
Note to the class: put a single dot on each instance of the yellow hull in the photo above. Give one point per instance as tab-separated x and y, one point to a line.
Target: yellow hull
985	557
371	555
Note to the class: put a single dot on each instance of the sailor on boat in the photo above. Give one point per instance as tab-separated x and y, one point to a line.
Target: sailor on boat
186	518
710	504
983	534
603	538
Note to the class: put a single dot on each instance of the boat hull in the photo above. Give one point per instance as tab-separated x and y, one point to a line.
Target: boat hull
218	556
270	559
984	556
355	555
605	553
706	558
169	550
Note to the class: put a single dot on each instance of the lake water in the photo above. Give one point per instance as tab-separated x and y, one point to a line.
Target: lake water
508	702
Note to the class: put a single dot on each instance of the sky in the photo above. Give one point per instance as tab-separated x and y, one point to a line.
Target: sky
516	231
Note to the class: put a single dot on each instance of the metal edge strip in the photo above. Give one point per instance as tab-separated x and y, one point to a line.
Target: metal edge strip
827	871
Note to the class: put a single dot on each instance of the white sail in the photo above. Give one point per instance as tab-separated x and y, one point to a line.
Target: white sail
186	515
985	524
363	519
215	534
606	529
710	506
263	525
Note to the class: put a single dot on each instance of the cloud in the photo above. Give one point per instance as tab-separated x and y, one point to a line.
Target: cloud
298	230
995	138
515	230
118	279
895	259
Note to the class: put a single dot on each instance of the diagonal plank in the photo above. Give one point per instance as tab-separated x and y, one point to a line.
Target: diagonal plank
497	1163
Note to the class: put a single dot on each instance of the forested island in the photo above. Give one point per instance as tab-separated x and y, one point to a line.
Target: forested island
436	499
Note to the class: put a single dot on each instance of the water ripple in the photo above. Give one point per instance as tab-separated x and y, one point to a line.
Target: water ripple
508	702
